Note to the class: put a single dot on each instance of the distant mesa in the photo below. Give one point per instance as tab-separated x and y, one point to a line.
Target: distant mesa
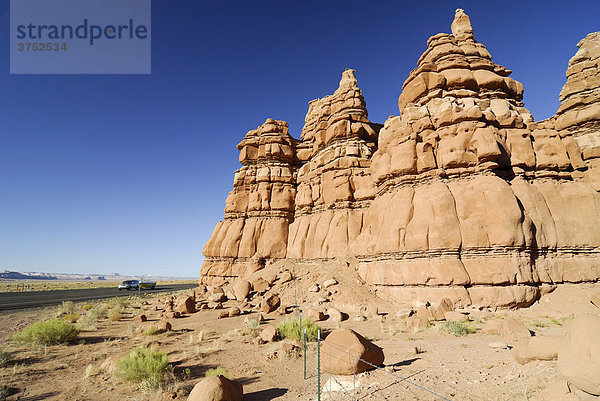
9	275
463	195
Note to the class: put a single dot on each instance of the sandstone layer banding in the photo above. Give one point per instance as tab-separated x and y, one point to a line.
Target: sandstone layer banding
463	195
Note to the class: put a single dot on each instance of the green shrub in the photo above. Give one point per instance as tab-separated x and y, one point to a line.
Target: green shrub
291	329
87	307
458	329
72	317
145	366
151	331
216	372
5	358
55	331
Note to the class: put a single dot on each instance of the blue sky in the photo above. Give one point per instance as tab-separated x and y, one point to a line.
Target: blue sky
129	173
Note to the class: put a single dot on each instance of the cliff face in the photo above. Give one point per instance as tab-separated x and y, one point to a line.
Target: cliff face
463	195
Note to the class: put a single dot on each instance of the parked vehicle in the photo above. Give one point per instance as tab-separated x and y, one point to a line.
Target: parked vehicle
137	285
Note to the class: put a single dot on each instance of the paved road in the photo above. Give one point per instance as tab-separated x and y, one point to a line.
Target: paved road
30	299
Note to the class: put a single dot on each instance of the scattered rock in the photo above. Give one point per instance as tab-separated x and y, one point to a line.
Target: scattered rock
536	348
270	304
492	327
241	289
314	314
513	330
215	305
579	353
234	311
269	333
335	315
416	321
282	310
498	345
360	318
285	276
185	304
344	351
164	325
223	314
218	297
424	312
314	288
439	311
260	285
253	320
329	283
140	318
217	388
453	316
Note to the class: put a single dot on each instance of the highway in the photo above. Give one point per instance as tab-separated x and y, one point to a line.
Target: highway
30	299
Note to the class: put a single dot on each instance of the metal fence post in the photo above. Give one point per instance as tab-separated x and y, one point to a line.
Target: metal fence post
319	365
304	344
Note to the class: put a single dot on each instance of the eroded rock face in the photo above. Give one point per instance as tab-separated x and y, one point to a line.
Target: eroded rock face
475	201
259	208
334	183
462	196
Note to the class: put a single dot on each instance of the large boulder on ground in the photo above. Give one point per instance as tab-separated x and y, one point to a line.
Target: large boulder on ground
217	388
270	304
439	311
315	315
453	316
492	327
514	330
260	285
536	349
185	304
268	334
345	352
241	289
579	353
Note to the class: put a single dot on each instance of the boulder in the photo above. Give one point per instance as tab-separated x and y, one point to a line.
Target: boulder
416	322
329	283
439	311
217	388
223	314
185	304
260	285
579	353
241	289
492	327
233	311
285	276
218	297
536	349
164	325
335	315
140	318
452	316
345	352
315	315
268	334
270	304
514	330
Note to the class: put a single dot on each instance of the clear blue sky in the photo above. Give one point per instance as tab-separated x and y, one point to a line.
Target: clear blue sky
129	173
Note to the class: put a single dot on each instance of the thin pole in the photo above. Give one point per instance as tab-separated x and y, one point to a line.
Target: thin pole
304	344
319	365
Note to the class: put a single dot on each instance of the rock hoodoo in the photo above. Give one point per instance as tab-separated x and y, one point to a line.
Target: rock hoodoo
463	195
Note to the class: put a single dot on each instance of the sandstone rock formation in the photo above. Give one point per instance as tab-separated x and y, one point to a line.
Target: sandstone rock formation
462	196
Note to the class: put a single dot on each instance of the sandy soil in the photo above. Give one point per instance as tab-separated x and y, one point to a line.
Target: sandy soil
458	368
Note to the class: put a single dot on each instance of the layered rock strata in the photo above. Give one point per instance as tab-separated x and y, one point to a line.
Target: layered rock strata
334	183
463	195
260	207
475	201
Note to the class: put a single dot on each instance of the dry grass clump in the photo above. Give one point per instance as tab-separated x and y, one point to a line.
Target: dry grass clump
218	371
147	367
66	308
72	317
458	329
5	358
3	392
114	315
291	329
54	331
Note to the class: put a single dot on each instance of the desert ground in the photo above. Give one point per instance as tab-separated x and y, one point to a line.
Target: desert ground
422	363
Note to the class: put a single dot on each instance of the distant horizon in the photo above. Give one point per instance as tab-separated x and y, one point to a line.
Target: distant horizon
130	173
113	274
